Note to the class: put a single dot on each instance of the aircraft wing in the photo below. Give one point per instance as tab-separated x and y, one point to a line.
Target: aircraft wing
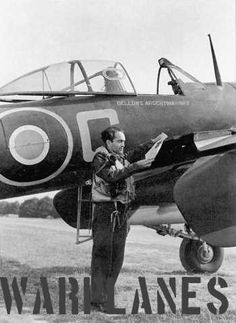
185	150
215	139
198	173
206	193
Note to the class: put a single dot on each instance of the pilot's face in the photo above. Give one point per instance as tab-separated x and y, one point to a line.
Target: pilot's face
118	144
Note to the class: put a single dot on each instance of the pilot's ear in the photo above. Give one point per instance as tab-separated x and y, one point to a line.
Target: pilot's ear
108	142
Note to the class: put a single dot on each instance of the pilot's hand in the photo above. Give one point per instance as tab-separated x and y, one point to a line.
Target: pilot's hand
144	163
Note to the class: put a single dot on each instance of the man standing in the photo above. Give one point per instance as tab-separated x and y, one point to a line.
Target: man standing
112	192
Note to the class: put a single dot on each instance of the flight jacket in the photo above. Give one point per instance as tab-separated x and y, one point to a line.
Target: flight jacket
112	174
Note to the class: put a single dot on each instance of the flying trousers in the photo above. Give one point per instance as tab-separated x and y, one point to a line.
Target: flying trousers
109	237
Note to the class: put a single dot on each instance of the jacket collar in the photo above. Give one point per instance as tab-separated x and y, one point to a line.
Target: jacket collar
105	151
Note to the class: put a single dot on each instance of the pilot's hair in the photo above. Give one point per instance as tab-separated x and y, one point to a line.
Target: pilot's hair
109	133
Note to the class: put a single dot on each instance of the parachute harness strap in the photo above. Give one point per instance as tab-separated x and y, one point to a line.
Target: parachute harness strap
115	217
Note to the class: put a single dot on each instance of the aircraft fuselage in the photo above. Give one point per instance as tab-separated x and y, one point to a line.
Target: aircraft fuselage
49	144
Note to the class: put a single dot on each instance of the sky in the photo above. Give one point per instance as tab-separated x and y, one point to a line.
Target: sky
35	33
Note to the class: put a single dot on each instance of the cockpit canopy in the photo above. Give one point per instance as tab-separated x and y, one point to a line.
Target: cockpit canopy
73	77
90	77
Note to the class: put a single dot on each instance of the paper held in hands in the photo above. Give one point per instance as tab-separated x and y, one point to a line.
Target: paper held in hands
154	150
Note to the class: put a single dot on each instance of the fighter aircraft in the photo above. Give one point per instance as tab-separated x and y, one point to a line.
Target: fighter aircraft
50	127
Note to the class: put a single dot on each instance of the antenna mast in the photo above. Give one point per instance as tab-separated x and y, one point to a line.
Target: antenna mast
216	69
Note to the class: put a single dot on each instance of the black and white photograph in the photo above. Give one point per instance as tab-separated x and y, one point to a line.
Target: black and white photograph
117	161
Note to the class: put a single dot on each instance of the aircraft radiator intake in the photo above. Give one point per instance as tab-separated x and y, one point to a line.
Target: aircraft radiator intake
206	197
66	204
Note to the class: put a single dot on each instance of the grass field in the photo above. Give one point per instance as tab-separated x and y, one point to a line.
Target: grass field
37	247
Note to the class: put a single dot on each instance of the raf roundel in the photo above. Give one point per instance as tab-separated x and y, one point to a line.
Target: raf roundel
29	145
39	146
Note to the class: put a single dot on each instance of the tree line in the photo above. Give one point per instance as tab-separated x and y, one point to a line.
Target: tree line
32	208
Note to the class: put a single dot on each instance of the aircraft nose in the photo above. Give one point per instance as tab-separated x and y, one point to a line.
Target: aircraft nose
206	197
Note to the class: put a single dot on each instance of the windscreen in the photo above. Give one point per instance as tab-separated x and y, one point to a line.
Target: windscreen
174	80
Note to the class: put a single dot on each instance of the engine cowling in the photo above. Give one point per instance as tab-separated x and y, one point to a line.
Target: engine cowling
206	197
